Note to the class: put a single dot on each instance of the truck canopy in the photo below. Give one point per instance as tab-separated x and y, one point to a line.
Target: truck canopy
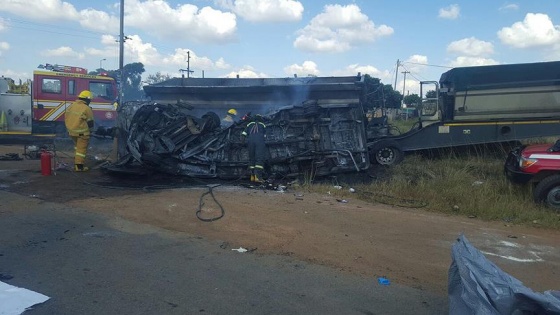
502	76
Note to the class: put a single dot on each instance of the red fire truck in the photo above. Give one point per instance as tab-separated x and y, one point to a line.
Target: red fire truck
38	107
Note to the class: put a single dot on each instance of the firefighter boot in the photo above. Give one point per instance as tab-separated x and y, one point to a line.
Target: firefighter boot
80	168
258	177
252	177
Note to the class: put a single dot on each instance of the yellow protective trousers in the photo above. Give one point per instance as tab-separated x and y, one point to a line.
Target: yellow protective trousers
80	146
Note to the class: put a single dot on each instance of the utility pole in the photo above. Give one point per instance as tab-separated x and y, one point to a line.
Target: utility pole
404	82
121	54
396	74
403	89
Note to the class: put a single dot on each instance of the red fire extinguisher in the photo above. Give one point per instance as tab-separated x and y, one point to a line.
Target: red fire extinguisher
46	163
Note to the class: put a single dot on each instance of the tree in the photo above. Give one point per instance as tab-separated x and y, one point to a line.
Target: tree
412	100
157	78
132	80
431	94
379	95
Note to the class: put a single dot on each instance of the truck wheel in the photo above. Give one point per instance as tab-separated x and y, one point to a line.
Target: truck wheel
547	191
386	153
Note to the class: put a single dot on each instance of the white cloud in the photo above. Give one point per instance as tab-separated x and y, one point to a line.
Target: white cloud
472	61
16	75
197	63
185	22
265	10
246	72
99	21
451	12
535	30
139	51
303	70
3	24
4	46
511	6
63	51
471	47
354	69
338	29
46	10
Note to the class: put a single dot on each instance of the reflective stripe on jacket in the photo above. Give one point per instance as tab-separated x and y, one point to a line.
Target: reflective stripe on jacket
76	118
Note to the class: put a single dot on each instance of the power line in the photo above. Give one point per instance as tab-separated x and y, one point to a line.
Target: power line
425	64
65	30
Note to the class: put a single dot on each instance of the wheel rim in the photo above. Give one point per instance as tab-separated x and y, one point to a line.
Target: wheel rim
385	156
553	198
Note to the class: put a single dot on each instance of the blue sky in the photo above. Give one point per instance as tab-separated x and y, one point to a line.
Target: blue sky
280	38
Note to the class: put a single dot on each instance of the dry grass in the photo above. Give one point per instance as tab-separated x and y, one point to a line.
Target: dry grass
473	186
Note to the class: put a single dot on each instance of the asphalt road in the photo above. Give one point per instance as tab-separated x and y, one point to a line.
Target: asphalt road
88	263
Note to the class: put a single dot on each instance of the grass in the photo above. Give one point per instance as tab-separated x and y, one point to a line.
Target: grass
470	185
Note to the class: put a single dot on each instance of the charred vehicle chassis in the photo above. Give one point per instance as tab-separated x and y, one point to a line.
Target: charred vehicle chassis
318	139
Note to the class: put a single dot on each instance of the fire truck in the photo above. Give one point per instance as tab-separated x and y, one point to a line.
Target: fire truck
37	107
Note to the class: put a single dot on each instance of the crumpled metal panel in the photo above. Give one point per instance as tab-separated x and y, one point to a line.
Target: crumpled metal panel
319	139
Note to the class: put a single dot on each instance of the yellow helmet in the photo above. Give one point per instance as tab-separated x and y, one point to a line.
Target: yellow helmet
85	94
232	112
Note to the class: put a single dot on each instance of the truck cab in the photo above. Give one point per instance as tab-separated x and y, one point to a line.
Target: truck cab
538	166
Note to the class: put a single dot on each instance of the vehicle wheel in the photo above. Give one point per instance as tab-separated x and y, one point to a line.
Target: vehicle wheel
387	155
547	191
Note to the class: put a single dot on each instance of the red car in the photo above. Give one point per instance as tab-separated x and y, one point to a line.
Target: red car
538	165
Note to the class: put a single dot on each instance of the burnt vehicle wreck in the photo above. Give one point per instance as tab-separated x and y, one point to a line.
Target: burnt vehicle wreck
321	136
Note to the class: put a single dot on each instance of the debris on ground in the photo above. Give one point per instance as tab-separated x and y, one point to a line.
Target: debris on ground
10	157
383	281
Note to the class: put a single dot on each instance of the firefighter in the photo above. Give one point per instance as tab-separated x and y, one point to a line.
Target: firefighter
79	121
230	118
255	133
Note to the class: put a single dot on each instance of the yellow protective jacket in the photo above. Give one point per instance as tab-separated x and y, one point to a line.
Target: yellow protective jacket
78	119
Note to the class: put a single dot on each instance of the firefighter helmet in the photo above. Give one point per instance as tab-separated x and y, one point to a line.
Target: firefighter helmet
85	94
232	112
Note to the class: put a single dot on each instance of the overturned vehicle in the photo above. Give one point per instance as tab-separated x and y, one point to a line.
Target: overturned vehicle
321	133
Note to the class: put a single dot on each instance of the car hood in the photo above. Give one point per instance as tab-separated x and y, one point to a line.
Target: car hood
538	149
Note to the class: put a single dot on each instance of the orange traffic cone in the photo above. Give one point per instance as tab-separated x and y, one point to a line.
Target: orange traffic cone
3	122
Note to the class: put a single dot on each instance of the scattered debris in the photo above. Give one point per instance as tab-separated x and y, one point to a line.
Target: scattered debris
342	200
512	236
352	190
240	250
383	281
10	157
337	187
477	183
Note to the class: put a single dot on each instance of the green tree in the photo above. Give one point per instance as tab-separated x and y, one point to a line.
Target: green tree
431	94
157	78
412	100
379	95
132	82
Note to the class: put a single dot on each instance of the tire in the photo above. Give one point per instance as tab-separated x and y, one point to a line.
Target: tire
547	192
386	153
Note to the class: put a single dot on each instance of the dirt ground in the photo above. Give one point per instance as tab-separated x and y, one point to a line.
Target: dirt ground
411	247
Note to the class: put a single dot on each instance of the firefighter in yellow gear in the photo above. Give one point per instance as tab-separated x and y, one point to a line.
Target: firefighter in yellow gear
79	120
230	118
255	131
